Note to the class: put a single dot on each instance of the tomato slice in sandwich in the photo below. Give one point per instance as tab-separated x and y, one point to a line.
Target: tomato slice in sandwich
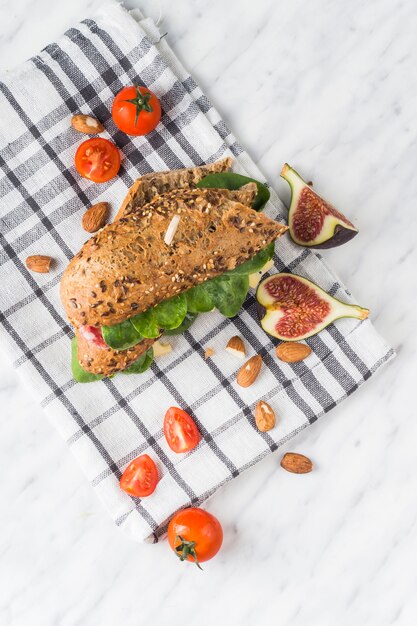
180	430
140	477
93	334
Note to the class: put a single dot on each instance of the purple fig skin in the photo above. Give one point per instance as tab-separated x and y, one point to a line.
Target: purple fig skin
261	310
341	235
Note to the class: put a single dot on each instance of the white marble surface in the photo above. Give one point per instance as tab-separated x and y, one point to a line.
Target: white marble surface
331	87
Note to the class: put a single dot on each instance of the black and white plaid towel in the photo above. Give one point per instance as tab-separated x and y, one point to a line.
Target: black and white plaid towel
42	199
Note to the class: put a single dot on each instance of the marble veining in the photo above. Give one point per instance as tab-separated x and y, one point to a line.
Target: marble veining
330	87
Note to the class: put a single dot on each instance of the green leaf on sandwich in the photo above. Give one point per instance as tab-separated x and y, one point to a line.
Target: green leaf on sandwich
79	374
170	313
231	180
228	292
199	300
121	336
141	365
186	323
146	324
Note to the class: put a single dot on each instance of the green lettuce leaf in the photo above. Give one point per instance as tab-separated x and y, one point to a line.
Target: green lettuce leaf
170	313
146	325
185	325
121	336
231	180
228	292
199	300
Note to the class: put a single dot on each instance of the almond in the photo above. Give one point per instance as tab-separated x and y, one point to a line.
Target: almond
264	416
95	217
159	349
39	263
208	353
292	352
249	372
296	463
236	347
86	124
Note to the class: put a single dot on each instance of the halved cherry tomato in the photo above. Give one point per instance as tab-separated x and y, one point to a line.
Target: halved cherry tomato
180	430
136	110
140	477
97	159
195	535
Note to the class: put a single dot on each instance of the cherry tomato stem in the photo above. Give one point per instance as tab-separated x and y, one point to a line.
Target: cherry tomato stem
136	110
195	535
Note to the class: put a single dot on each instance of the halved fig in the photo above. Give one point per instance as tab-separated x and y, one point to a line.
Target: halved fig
314	222
293	308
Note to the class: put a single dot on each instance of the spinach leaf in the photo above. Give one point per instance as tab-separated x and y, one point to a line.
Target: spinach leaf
187	321
257	262
228	292
141	365
145	324
199	300
231	180
80	374
170	313
121	336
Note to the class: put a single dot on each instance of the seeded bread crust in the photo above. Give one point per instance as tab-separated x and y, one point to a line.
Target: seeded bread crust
145	188
126	268
106	361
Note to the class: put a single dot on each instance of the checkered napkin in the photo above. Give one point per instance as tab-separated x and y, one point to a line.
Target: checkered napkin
42	199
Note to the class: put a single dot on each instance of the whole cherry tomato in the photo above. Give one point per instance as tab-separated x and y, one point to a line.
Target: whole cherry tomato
140	477
136	110
97	159
180	430
195	535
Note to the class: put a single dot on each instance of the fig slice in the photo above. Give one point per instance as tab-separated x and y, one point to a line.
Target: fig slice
293	308
314	222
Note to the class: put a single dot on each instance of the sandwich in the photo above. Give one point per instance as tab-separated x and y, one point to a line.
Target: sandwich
173	252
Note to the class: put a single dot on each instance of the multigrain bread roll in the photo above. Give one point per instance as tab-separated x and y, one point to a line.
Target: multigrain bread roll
127	267
96	359
145	188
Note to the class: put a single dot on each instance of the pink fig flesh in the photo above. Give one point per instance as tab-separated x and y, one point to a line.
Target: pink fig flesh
294	308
